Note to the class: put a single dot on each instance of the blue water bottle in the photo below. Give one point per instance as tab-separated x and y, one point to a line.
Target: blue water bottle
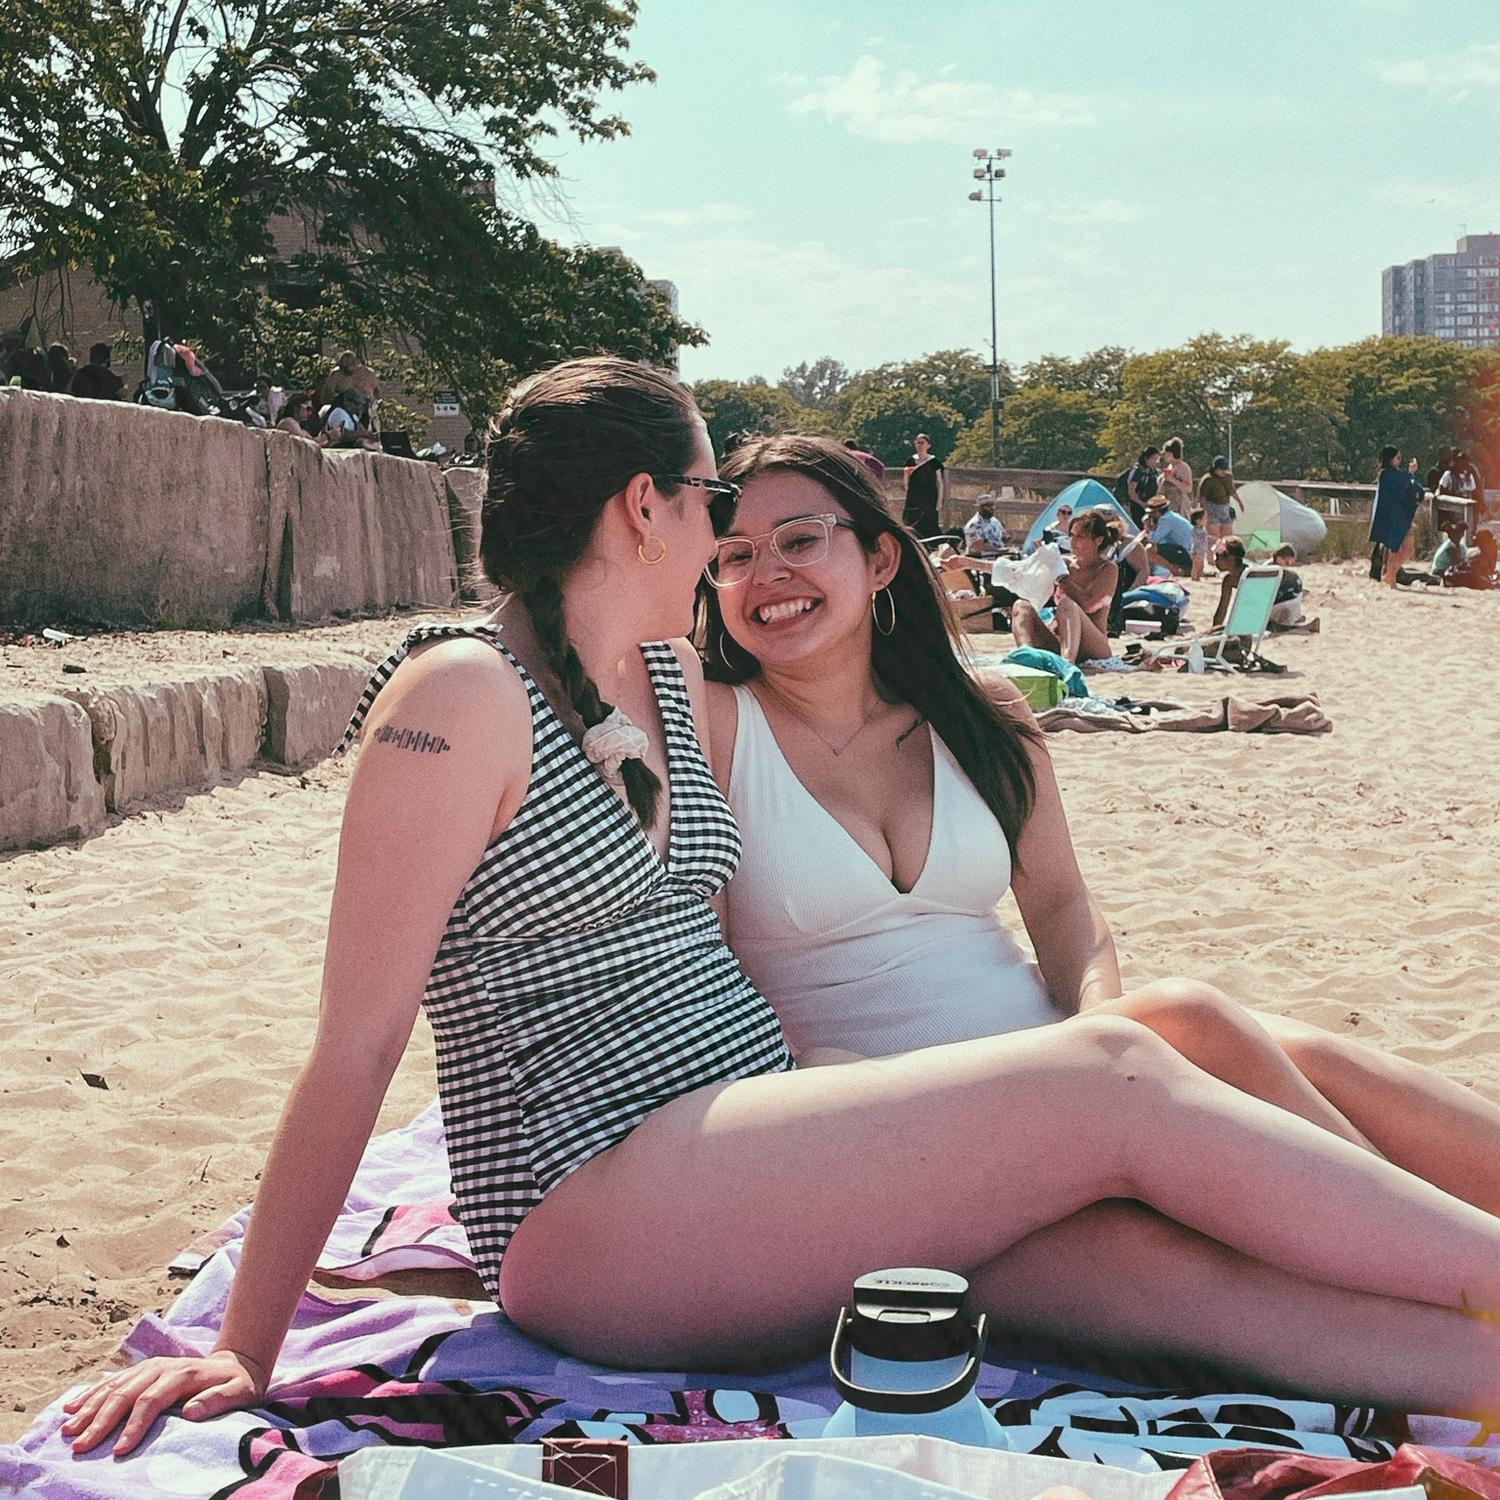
912	1347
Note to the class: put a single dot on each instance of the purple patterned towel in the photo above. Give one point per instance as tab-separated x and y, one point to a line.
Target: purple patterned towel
368	1367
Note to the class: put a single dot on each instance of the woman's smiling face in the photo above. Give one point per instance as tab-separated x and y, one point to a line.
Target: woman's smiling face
787	609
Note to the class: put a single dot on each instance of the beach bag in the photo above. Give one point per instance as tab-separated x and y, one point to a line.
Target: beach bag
1274	1474
1031	578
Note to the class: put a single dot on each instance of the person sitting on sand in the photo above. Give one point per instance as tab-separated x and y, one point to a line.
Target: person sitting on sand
1480	570
1168	538
1287	611
644	1177
1081	601
880	838
1451	555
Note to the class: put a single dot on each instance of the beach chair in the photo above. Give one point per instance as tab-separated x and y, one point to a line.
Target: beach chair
1249	615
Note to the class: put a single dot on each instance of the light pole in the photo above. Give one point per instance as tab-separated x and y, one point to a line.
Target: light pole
989	172
1238	401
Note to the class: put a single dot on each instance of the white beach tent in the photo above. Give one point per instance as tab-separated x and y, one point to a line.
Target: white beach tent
1082	494
1267	518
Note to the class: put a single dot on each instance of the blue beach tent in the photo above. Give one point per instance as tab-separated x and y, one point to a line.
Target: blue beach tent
1082	494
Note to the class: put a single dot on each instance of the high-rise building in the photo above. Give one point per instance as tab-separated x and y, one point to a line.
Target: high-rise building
1454	297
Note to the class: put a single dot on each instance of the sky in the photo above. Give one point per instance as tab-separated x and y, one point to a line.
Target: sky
801	169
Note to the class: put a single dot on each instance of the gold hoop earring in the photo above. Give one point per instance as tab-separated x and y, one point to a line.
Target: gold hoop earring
890	599
651	562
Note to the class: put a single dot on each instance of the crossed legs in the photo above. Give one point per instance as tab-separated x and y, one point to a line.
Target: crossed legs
728	1227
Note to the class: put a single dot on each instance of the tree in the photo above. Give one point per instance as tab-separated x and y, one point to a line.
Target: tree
816	385
736	409
1419	393
1042	428
1100	372
958	378
152	141
886	421
1192	392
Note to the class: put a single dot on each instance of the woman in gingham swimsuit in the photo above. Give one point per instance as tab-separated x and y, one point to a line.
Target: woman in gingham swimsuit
530	849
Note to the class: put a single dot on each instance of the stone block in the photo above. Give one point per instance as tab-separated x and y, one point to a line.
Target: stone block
157	738
308	705
48	790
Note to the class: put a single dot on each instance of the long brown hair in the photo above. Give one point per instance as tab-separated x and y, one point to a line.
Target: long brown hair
568	440
918	662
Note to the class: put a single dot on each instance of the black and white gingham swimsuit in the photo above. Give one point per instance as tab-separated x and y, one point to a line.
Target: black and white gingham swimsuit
581	981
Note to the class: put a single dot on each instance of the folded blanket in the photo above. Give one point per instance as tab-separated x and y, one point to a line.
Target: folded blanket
367	1368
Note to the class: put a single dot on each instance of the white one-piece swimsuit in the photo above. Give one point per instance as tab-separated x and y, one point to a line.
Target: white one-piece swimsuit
848	960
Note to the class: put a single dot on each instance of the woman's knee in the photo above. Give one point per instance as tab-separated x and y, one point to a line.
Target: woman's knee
1023	612
1185	1011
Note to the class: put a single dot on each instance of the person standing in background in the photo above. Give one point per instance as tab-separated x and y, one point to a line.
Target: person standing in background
1397	496
924	489
1176	478
1216	490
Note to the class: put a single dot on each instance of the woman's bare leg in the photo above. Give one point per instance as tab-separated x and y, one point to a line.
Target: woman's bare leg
1029	629
731	1223
1428	1124
1226	1040
1190	1297
1079	638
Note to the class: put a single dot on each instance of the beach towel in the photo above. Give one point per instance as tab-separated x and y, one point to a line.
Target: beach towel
1301	714
363	1366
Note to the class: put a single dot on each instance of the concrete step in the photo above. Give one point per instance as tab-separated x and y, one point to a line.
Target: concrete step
70	758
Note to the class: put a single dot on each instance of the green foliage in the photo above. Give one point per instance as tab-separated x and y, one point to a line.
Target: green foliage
1417	392
817	385
958	378
1192	392
886	421
1100	372
1041	428
737	409
383	129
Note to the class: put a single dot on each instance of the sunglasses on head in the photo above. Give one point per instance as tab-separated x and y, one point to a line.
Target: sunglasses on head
723	497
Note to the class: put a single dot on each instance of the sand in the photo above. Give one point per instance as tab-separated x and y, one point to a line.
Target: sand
1347	880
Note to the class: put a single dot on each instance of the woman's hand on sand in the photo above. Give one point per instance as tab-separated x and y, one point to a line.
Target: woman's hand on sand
206	1384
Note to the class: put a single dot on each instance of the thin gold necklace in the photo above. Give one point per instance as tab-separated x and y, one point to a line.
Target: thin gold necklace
834	750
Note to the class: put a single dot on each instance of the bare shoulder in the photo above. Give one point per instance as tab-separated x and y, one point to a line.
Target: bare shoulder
461	678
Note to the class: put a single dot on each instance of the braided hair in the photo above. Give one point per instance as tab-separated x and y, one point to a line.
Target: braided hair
569	440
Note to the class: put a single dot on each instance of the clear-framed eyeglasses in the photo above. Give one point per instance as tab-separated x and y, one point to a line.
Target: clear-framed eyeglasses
802	543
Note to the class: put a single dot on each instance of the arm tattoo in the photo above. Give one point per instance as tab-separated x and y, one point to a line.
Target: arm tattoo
411	739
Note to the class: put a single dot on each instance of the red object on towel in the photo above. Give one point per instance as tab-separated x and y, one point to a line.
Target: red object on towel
1274	1474
593	1466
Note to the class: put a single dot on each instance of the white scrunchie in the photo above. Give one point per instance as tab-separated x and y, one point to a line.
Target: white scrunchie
612	742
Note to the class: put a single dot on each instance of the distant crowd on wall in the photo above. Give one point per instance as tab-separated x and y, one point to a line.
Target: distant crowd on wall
341	411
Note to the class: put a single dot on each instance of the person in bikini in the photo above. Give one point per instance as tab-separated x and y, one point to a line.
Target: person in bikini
1081	603
531	849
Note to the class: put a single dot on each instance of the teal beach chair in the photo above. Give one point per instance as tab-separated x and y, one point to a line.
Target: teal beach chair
1249	615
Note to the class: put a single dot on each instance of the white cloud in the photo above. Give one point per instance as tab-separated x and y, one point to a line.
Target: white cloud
901	107
1479	67
708	214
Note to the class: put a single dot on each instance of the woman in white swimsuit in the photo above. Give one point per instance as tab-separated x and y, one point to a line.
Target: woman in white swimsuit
886	808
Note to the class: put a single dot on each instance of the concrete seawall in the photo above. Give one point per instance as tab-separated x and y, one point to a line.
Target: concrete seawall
127	516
